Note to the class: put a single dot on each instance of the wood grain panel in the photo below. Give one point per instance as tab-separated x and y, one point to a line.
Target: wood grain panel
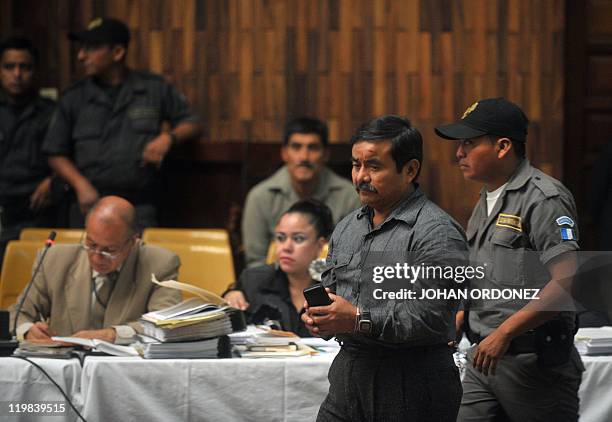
247	66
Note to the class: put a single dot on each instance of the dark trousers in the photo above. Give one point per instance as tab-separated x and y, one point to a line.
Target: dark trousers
522	391
420	384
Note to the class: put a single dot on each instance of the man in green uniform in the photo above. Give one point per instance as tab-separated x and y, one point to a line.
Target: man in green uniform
523	230
107	136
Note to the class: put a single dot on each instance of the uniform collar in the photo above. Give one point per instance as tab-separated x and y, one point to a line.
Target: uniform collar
521	175
33	100
131	84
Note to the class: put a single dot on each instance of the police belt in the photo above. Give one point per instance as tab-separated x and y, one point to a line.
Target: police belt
525	343
371	351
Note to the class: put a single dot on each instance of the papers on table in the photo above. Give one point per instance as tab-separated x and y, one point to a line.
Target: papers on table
213	348
594	341
40	349
99	345
258	342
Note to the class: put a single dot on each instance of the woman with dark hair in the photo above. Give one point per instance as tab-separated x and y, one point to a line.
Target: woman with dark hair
276	291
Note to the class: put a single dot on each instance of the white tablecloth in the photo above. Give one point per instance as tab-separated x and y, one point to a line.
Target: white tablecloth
111	388
596	389
204	390
21	382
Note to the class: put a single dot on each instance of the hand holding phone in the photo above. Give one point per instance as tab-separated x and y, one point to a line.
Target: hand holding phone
316	295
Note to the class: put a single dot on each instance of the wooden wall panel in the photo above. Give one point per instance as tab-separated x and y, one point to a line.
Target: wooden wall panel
249	65
588	104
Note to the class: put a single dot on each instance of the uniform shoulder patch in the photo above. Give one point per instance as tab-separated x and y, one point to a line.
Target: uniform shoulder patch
564	220
510	221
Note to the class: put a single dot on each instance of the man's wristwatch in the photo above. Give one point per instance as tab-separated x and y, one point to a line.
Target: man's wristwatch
363	322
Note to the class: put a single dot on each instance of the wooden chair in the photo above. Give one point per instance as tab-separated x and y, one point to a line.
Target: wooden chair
41	234
154	235
17	269
210	267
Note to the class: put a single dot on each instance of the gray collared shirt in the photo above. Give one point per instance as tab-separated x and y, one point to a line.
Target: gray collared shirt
533	221
417	233
268	200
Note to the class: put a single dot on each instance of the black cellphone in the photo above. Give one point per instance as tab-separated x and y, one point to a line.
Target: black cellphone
317	296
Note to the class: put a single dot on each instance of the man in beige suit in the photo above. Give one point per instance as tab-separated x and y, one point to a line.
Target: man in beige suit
100	288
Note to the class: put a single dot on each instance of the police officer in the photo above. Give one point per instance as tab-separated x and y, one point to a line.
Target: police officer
523	230
24	118
107	136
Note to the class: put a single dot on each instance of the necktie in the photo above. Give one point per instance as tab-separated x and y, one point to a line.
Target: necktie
103	285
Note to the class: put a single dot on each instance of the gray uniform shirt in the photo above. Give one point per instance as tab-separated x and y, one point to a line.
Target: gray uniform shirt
105	139
268	200
22	164
533	221
417	233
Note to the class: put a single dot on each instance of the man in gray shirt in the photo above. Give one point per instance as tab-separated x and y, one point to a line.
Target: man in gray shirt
523	230
303	176
395	363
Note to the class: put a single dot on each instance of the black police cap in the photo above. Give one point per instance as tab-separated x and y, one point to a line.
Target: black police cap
103	30
492	116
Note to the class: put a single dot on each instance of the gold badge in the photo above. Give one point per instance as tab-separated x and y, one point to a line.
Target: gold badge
469	110
511	221
94	23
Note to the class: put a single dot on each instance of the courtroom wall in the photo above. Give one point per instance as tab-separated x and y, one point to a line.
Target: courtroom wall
248	65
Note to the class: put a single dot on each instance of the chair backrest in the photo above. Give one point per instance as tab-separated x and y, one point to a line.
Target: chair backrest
189	236
17	269
62	235
210	267
271	256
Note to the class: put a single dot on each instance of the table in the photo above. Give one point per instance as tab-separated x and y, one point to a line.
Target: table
289	389
21	382
113	388
596	389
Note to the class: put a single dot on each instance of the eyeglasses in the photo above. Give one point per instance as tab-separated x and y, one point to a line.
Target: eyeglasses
112	255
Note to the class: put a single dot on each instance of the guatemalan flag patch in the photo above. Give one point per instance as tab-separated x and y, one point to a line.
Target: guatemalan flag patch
567	234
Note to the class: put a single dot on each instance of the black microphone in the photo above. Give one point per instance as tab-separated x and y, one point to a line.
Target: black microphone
48	243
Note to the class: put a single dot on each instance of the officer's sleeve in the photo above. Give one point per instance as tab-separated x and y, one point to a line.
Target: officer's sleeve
58	140
175	108
553	227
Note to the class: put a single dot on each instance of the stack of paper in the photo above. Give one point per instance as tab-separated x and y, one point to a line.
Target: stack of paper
99	346
204	349
258	342
594	341
189	320
39	349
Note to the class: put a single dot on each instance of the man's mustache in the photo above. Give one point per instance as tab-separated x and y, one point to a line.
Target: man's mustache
366	186
306	164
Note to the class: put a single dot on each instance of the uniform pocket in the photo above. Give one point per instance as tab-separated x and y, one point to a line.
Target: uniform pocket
87	143
508	256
